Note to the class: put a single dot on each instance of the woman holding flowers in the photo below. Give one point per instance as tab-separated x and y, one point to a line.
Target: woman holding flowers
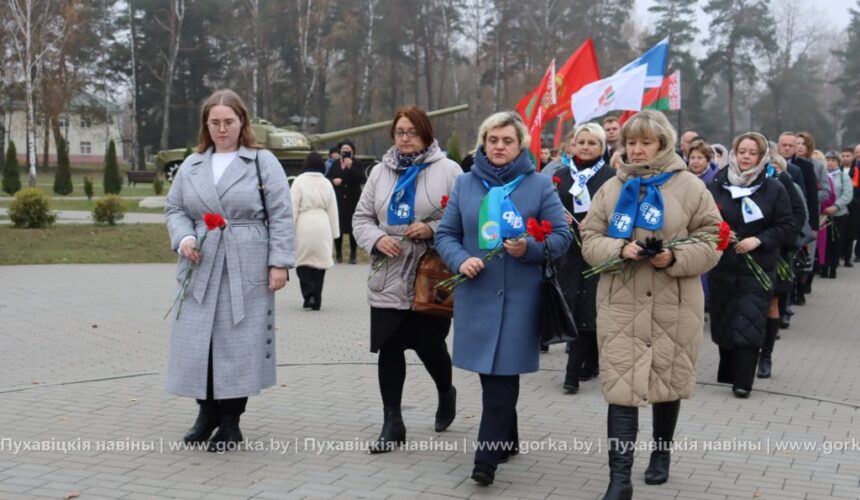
397	216
583	168
758	209
222	341
496	320
650	313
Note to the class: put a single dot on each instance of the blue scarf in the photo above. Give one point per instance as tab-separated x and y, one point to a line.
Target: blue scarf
406	160
499	217
631	212
401	206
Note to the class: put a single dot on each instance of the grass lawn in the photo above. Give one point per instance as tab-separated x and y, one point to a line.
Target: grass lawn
45	181
58	203
86	244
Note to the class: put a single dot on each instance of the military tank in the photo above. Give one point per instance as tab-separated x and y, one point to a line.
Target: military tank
291	147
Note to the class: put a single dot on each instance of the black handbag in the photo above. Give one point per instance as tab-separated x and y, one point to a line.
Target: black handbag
556	319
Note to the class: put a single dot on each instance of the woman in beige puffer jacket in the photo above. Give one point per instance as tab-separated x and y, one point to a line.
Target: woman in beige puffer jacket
650	317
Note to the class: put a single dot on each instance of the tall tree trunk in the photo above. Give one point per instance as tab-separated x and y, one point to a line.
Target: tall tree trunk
137	162
177	15
428	62
254	9
364	96
304	40
496	74
730	74
46	146
417	79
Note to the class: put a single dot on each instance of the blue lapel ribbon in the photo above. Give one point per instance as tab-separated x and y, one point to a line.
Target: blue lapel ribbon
631	212
401	207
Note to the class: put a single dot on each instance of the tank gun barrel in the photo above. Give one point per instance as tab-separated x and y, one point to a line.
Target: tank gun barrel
316	139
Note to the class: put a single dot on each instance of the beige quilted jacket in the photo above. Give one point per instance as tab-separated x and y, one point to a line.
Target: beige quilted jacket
649	321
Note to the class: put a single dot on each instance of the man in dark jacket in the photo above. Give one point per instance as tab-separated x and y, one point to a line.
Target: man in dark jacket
787	146
347	177
850	159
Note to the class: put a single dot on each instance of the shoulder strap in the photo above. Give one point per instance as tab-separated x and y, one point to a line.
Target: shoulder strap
261	190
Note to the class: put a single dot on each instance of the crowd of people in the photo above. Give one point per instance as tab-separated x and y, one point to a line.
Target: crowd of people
650	235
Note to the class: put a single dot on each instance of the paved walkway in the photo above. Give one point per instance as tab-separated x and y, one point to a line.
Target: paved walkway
83	350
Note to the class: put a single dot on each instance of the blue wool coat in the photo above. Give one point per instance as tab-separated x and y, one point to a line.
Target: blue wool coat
496	321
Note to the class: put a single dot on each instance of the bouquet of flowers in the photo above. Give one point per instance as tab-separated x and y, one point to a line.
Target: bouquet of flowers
653	246
784	270
537	230
378	263
212	221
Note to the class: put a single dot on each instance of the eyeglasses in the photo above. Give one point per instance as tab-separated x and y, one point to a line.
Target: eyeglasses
227	124
406	133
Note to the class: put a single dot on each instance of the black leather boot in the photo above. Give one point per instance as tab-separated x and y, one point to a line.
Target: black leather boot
393	432
229	436
621	424
207	421
764	360
446	410
665	419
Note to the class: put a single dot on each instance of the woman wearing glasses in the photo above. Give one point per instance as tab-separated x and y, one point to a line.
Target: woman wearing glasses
395	222
222	346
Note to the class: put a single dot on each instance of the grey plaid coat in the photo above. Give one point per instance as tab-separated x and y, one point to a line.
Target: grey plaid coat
228	302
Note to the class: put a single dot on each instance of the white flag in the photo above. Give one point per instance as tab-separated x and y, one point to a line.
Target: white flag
621	91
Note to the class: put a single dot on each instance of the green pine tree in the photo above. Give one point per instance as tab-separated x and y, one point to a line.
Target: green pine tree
11	171
676	19
112	181
454	149
740	32
63	177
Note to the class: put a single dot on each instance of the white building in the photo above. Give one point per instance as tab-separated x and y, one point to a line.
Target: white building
80	124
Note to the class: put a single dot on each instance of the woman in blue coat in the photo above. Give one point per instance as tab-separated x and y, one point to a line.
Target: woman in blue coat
496	311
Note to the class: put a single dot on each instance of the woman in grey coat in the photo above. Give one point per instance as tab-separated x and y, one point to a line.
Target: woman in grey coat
496	311
222	346
396	218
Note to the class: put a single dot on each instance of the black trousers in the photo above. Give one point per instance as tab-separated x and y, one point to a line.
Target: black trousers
420	332
311	283
582	358
851	233
338	244
226	407
498	433
737	366
835	245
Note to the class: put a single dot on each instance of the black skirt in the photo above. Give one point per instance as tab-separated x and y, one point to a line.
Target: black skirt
386	322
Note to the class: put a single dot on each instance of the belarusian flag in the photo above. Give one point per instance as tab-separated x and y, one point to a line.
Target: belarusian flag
666	97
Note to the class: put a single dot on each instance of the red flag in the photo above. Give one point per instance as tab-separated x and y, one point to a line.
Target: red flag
559	130
546	90
579	70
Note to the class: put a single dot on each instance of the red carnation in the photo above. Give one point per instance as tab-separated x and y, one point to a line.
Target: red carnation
214	221
538	230
556	180
444	201
547	227
725	236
